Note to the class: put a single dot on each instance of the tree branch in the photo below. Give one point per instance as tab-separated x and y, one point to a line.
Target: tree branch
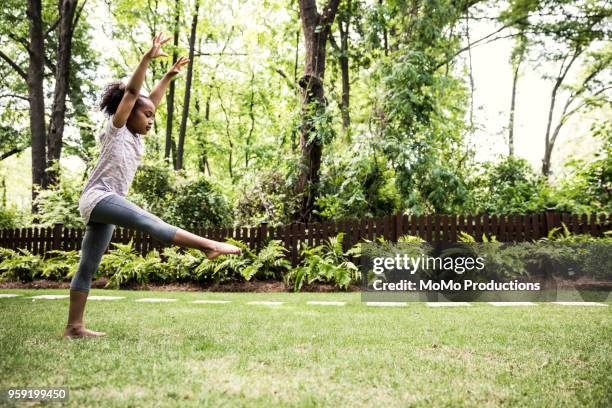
25	98
52	28
12	152
77	16
13	64
329	12
486	37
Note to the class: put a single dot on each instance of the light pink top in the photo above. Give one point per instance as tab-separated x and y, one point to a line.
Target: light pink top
119	159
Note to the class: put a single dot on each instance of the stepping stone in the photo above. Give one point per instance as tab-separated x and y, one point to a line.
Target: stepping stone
105	297
580	304
212	301
8	295
389	304
448	304
50	297
512	303
325	302
155	300
265	302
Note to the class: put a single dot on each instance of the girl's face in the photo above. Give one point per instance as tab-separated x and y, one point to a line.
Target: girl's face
141	118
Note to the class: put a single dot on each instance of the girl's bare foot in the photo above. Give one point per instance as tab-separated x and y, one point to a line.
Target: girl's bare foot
221	248
76	332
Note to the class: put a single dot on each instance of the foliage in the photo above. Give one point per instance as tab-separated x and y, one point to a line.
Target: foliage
588	186
356	187
62	266
154	182
120	265
327	263
264	197
423	108
61	205
509	186
12	217
198	204
20	266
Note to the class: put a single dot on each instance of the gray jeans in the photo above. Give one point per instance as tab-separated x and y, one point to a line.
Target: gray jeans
109	212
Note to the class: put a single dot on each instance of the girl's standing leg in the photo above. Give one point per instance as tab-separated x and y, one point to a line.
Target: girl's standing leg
96	240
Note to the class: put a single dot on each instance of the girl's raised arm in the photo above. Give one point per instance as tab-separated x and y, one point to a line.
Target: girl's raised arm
132	89
158	92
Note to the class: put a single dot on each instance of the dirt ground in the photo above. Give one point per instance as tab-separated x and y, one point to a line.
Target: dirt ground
253	286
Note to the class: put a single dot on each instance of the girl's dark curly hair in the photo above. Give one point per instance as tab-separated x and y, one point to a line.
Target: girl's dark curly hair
111	97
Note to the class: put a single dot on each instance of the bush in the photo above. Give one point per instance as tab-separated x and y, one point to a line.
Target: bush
12	217
199	204
265	197
326	263
356	188
62	266
152	187
19	266
509	186
60	205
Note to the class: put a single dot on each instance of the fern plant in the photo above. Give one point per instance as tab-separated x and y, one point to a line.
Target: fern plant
326	263
180	266
62	266
269	262
20	266
121	265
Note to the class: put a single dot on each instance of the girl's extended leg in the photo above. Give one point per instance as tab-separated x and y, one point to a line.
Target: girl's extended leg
96	240
119	211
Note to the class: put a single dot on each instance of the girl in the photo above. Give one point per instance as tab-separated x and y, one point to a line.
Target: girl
102	203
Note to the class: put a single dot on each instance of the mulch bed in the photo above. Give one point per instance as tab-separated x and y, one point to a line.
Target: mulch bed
253	286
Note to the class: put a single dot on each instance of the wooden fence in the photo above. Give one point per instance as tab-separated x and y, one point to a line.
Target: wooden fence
432	228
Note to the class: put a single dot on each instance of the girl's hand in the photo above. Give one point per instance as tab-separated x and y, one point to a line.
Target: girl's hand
176	68
156	50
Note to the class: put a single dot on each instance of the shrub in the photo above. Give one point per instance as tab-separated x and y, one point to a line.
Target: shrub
199	204
120	266
326	263
264	197
19	266
62	266
12	217
60	205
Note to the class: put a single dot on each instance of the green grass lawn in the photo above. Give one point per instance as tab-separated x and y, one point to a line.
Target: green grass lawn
295	354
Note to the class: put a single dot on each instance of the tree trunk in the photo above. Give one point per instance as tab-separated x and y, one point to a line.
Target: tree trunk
316	28
344	67
252	119
36	96
515	74
548	142
55	136
170	95
183	128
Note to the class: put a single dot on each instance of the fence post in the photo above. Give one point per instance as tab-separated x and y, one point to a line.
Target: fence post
262	234
549	220
398	230
57	237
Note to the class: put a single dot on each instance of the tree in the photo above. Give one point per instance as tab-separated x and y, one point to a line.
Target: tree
68	18
420	112
170	146
34	78
316	28
45	48
574	26
183	128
